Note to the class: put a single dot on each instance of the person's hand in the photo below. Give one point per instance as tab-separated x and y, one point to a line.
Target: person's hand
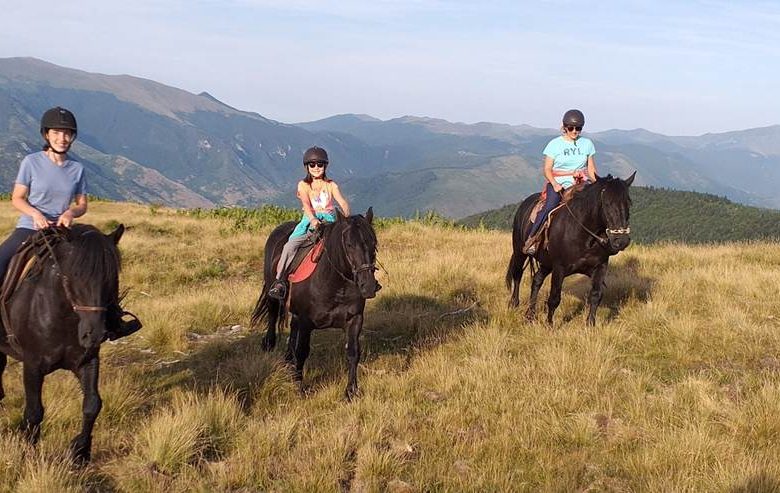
314	223
39	220
66	219
557	187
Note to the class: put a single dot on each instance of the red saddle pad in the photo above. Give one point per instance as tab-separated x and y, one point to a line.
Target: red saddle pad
307	265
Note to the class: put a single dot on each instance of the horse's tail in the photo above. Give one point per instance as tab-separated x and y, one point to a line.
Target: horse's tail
514	271
269	309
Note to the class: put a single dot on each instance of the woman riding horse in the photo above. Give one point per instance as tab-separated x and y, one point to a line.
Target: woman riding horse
47	184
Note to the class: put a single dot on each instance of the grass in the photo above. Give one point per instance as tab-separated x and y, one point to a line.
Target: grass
676	389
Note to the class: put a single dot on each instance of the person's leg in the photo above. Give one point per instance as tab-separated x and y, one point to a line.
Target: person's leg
279	288
552	200
10	246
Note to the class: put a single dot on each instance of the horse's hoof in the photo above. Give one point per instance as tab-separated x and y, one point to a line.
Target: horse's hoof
351	393
268	345
80	451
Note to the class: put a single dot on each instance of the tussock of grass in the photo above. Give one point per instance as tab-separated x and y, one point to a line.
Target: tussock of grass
676	389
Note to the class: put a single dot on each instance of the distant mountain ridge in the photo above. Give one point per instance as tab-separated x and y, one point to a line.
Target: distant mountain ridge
144	141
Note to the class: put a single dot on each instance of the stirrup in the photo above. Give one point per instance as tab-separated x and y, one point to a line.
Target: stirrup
279	290
529	248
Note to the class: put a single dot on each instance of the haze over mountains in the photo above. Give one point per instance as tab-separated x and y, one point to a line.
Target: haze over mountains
145	141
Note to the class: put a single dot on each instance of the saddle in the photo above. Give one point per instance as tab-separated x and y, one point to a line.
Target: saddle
306	258
566	197
26	262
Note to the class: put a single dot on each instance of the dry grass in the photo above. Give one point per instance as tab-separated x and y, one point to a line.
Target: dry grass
676	389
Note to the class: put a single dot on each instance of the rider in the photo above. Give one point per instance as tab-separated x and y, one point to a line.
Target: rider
316	192
568	160
51	190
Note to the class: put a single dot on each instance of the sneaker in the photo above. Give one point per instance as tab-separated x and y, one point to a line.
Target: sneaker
118	327
279	290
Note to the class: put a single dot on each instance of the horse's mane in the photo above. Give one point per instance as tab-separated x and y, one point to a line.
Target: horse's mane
330	230
589	197
93	256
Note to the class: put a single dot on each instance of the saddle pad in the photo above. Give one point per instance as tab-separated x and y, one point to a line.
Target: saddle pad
308	264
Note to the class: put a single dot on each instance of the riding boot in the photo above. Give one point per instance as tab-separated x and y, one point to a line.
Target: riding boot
529	248
278	290
117	327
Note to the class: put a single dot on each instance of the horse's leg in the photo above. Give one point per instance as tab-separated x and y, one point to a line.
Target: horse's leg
3	361
33	404
292	340
536	285
269	339
87	374
354	326
555	292
596	291
302	348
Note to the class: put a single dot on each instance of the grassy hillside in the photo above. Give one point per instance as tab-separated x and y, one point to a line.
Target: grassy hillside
676	389
668	215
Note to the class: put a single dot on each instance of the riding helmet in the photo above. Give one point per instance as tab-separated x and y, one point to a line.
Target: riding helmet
60	118
574	118
315	154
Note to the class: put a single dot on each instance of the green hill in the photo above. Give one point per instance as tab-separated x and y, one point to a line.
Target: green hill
666	215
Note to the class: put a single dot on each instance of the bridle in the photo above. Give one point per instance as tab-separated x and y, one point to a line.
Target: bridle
604	242
66	284
355	270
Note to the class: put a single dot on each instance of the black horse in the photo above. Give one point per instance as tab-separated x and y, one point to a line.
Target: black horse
582	236
57	320
334	296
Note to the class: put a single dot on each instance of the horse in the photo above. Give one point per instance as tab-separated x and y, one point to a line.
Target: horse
333	296
57	320
583	234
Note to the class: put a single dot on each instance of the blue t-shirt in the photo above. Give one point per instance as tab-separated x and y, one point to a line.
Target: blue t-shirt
569	156
51	187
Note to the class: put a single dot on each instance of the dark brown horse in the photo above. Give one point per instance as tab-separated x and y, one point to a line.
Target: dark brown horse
334	296
58	320
582	236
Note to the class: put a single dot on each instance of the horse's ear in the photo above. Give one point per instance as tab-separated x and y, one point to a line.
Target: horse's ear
628	181
340	215
598	178
116	235
370	215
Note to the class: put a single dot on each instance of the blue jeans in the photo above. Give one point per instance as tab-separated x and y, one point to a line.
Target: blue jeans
10	246
553	199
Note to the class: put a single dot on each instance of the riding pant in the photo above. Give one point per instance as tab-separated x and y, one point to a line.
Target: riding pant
10	247
552	201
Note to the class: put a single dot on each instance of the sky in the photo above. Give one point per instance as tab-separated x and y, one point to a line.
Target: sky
674	67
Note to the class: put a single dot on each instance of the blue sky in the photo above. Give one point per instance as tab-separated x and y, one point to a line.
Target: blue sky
674	67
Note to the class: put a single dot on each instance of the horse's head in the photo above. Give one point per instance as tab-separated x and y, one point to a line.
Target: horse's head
90	264
360	244
615	205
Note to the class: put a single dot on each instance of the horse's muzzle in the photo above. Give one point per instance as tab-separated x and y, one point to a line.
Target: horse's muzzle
618	242
91	330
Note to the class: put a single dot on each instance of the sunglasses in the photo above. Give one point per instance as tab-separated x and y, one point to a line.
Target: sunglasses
572	128
317	164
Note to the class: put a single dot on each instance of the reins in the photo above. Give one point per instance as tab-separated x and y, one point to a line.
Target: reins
355	271
66	283
604	242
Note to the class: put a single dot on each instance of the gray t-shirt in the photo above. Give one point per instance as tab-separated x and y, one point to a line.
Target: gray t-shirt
52	188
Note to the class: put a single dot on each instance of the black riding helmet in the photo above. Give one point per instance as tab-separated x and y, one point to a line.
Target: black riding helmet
58	117
575	118
315	154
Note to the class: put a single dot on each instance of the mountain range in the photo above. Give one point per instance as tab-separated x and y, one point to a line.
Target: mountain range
144	141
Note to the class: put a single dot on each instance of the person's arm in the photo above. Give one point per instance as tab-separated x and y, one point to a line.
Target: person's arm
19	201
308	210
334	190
76	210
592	168
548	173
